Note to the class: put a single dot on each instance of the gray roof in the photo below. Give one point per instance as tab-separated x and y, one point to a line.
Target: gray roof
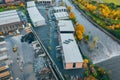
30	4
8	17
61	15
70	49
59	8
8	12
35	14
66	25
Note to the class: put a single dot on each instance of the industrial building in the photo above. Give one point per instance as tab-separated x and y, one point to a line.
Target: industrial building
61	15
66	26
72	58
59	9
9	21
45	2
30	4
35	16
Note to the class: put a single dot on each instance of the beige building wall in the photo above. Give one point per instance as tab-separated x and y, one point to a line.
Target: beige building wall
70	65
79	65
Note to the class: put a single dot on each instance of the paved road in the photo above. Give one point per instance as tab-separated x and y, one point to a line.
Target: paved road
111	47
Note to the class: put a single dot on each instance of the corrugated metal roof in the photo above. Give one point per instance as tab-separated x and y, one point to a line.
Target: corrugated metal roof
35	14
30	4
8	12
59	8
59	15
70	49
66	25
7	17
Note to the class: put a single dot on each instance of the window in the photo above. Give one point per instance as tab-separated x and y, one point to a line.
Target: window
74	65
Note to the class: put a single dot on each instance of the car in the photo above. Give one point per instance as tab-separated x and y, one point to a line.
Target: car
15	48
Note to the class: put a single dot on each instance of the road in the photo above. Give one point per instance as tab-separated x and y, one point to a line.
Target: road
110	60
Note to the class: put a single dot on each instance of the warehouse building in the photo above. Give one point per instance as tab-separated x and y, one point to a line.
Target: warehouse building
61	15
30	4
9	21
59	9
35	16
66	26
72	58
46	2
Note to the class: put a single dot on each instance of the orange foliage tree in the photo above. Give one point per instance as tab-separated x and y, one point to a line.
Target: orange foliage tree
72	15
79	31
22	5
80	27
105	10
69	8
90	7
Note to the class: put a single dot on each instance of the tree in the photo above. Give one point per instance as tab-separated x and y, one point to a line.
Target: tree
90	77
90	7
36	1
80	27
79	35
86	61
105	10
22	5
79	1
69	8
72	15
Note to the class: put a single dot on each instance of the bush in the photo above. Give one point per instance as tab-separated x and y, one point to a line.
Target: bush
86	73
86	38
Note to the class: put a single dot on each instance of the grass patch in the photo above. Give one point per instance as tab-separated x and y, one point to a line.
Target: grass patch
117	2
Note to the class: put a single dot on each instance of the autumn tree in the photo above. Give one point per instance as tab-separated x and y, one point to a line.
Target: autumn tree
90	7
90	77
79	35
79	1
105	10
72	15
22	5
69	8
80	27
79	31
